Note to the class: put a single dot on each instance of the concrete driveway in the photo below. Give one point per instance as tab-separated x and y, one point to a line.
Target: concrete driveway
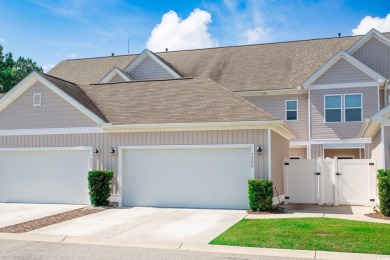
15	213
149	225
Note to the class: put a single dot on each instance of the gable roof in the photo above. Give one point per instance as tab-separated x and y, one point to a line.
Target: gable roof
373	33
116	71
67	90
188	100
146	53
353	61
240	68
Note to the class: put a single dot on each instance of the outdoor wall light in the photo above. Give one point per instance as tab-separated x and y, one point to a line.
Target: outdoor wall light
112	151
96	151
259	149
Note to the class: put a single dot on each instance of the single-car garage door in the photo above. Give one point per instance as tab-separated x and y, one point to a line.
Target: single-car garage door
46	175
187	176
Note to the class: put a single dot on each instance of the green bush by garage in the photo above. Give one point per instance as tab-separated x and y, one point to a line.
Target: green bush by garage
99	184
384	191
260	194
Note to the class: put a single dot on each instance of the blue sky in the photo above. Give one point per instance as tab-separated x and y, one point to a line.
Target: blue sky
49	31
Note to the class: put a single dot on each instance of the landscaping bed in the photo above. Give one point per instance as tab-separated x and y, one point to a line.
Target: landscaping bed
377	215
49	220
323	234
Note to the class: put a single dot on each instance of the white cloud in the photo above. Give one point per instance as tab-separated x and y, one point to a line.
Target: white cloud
175	33
369	22
255	35
71	56
47	67
2	40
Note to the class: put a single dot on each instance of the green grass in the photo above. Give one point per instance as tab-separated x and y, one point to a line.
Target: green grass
324	234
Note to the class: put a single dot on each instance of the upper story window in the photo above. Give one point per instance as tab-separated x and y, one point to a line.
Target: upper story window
353	107
37	99
333	108
291	110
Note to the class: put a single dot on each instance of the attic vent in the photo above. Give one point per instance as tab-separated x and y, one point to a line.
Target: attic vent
37	99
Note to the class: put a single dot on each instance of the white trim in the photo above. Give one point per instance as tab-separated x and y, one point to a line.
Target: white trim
287	110
165	147
269	154
51	131
34	99
345	85
61	148
270	92
353	61
341	108
112	73
146	53
30	80
342	141
373	33
361	106
344	146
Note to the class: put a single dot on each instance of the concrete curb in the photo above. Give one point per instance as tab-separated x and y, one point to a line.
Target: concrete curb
302	254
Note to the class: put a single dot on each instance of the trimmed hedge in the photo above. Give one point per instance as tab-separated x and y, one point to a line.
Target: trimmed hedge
99	184
260	194
384	191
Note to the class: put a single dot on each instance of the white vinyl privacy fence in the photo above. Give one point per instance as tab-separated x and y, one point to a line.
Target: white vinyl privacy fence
330	181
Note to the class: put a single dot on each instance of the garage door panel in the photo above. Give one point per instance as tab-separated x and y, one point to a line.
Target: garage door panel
200	178
48	176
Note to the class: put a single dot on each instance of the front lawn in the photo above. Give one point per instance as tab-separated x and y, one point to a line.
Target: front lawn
323	234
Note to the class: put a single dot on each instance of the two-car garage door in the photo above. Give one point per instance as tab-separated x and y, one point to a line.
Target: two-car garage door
44	175
187	176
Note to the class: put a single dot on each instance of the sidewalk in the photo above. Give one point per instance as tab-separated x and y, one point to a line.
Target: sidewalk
317	211
301	254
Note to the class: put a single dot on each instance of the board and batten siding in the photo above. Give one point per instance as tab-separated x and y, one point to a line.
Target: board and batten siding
377	150
148	69
105	141
316	151
375	55
386	146
342	72
54	112
343	130
279	151
302	152
275	105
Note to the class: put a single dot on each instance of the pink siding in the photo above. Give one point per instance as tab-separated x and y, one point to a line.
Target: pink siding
302	152
279	151
343	130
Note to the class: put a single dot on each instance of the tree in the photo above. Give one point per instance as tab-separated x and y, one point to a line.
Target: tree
12	72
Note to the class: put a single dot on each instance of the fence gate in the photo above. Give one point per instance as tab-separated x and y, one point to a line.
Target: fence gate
330	181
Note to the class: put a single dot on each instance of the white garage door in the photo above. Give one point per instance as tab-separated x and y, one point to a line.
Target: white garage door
194	177
44	176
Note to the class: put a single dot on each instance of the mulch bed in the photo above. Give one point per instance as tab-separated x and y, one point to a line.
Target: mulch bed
49	220
377	215
277	210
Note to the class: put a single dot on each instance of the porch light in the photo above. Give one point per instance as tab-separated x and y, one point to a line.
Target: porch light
112	151
259	150
96	151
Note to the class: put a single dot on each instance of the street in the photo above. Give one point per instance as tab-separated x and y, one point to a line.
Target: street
12	249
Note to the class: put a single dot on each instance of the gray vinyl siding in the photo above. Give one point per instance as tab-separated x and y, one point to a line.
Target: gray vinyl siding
279	151
342	72
386	146
302	152
117	78
105	141
275	105
375	55
149	69
54	112
343	130
316	151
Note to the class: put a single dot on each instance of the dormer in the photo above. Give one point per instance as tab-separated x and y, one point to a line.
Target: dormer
149	66
116	75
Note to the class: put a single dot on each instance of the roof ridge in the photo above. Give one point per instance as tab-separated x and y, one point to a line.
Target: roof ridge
138	81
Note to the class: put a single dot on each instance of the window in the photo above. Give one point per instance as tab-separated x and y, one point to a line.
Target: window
353	107
291	110
333	108
37	98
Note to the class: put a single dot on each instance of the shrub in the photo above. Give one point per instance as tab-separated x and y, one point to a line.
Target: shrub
260	195
99	184
384	191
